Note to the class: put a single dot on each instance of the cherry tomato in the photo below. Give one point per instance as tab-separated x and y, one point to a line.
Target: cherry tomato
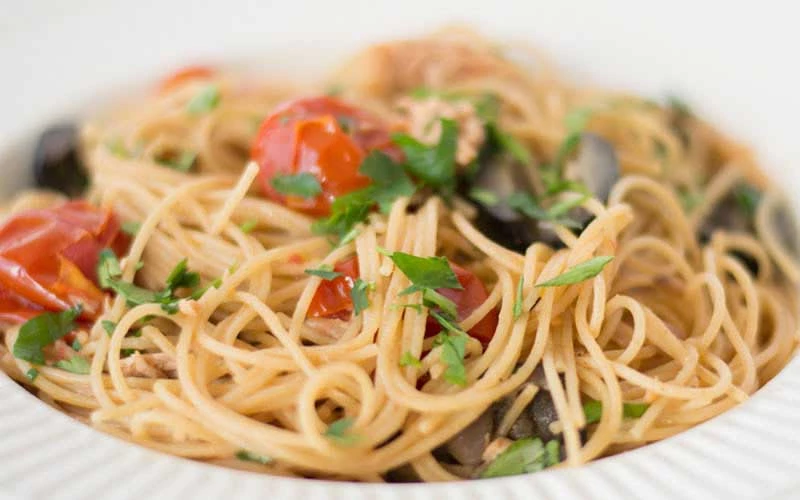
185	75
332	299
322	136
48	259
468	299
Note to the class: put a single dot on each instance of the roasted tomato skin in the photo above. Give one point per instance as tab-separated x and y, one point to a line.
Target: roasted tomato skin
48	259
332	299
322	136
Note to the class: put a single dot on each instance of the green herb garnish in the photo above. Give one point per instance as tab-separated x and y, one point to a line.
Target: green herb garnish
247	226
304	185
76	345
324	271
337	432
346	213
518	299
425	272
433	165
31	374
593	410
748	198
204	101
484	197
75	364
247	456
389	180
527	204
41	331
108	326
523	456
408	359
131	227
183	163
579	272
359	296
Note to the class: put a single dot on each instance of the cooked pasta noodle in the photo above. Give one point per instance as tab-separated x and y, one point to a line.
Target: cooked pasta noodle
684	326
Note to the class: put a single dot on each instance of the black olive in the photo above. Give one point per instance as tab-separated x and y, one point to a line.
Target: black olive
56	162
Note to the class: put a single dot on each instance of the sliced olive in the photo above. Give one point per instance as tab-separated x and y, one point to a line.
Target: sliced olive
403	474
467	446
777	228
597	165
56	161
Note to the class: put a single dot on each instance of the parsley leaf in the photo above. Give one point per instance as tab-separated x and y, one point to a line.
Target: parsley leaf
593	410
409	359
389	180
529	205
304	185
518	299
435	300
359	296
453	342
76	364
76	345
434	165
43	330
484	197
577	119
425	272
579	272
510	144
324	271
32	374
247	226
521	457
182	163
346	213
131	227
109	326
337	432
204	101
748	198
247	456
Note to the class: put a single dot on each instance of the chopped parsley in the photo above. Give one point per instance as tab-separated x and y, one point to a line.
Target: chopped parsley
204	101
108	326
435	165
43	330
528	204
435	300
109	274
76	345
389	180
577	119
510	144
347	212
182	163
131	227
408	359
484	197
579	272
76	364
593	410
247	456
689	199
359	295
524	456
425	272
304	185
338	432
453	343
747	198
247	226
31	374
324	271
518	299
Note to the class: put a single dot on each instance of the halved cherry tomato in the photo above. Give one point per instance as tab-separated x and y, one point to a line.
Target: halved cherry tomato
185	75
322	136
48	259
469	298
332	299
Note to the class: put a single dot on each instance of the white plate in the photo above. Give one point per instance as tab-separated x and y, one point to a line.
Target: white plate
737	66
